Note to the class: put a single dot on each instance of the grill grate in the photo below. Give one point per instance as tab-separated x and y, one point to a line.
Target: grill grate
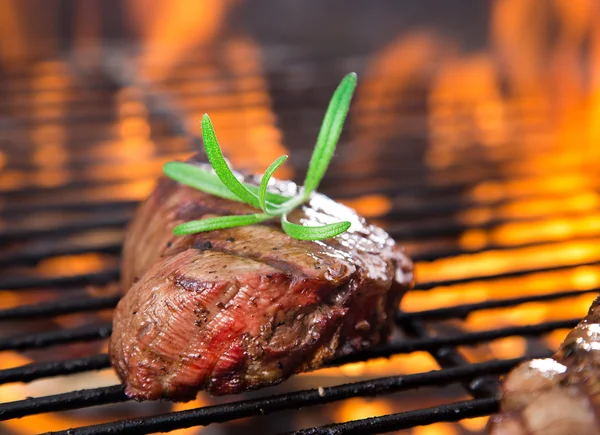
57	207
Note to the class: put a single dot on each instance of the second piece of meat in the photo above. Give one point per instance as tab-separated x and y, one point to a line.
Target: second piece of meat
558	395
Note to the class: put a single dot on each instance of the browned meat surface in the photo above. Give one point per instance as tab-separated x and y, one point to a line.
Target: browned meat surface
232	310
558	395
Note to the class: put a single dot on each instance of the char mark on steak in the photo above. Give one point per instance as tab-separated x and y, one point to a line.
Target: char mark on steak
237	309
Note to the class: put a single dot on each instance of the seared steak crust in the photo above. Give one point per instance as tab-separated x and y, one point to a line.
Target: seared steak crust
558	395
236	309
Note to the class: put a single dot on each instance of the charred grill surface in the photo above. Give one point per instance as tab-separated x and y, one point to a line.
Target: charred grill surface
67	195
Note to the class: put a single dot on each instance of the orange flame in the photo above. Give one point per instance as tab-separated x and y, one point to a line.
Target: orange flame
171	30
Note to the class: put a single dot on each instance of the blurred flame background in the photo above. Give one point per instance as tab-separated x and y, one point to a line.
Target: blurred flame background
509	86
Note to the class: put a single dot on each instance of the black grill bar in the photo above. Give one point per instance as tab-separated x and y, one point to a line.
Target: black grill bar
27	254
405	420
59	307
430	344
463	311
235	410
52	338
113	221
94	332
442	253
406	224
449	199
448	356
30	254
108	275
450	194
445	226
31	282
101	205
86	304
31	372
512	274
61	402
448	207
440	208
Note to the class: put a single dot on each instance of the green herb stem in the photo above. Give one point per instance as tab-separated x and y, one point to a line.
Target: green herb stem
224	183
264	183
218	162
218	223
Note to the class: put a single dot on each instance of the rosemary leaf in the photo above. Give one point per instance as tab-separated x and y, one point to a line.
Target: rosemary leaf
302	232
218	223
219	164
225	184
198	178
272	197
329	133
201	179
264	182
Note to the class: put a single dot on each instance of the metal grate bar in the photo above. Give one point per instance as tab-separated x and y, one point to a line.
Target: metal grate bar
449	199
462	311
410	187
52	338
61	402
512	274
262	406
407	231
59	307
443	253
410	230
448	356
417	189
429	344
85	304
451	206
101	205
22	233
32	282
447	227
432	343
29	254
31	372
64	336
108	275
405	420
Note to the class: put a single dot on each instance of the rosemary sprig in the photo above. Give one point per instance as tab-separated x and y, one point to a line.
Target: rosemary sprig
225	184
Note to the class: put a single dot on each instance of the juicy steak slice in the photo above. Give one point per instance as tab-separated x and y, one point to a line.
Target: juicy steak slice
232	310
558	395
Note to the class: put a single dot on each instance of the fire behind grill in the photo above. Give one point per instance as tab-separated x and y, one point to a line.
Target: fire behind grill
498	280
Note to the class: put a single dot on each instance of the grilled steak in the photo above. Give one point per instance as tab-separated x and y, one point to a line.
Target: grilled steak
558	395
231	310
